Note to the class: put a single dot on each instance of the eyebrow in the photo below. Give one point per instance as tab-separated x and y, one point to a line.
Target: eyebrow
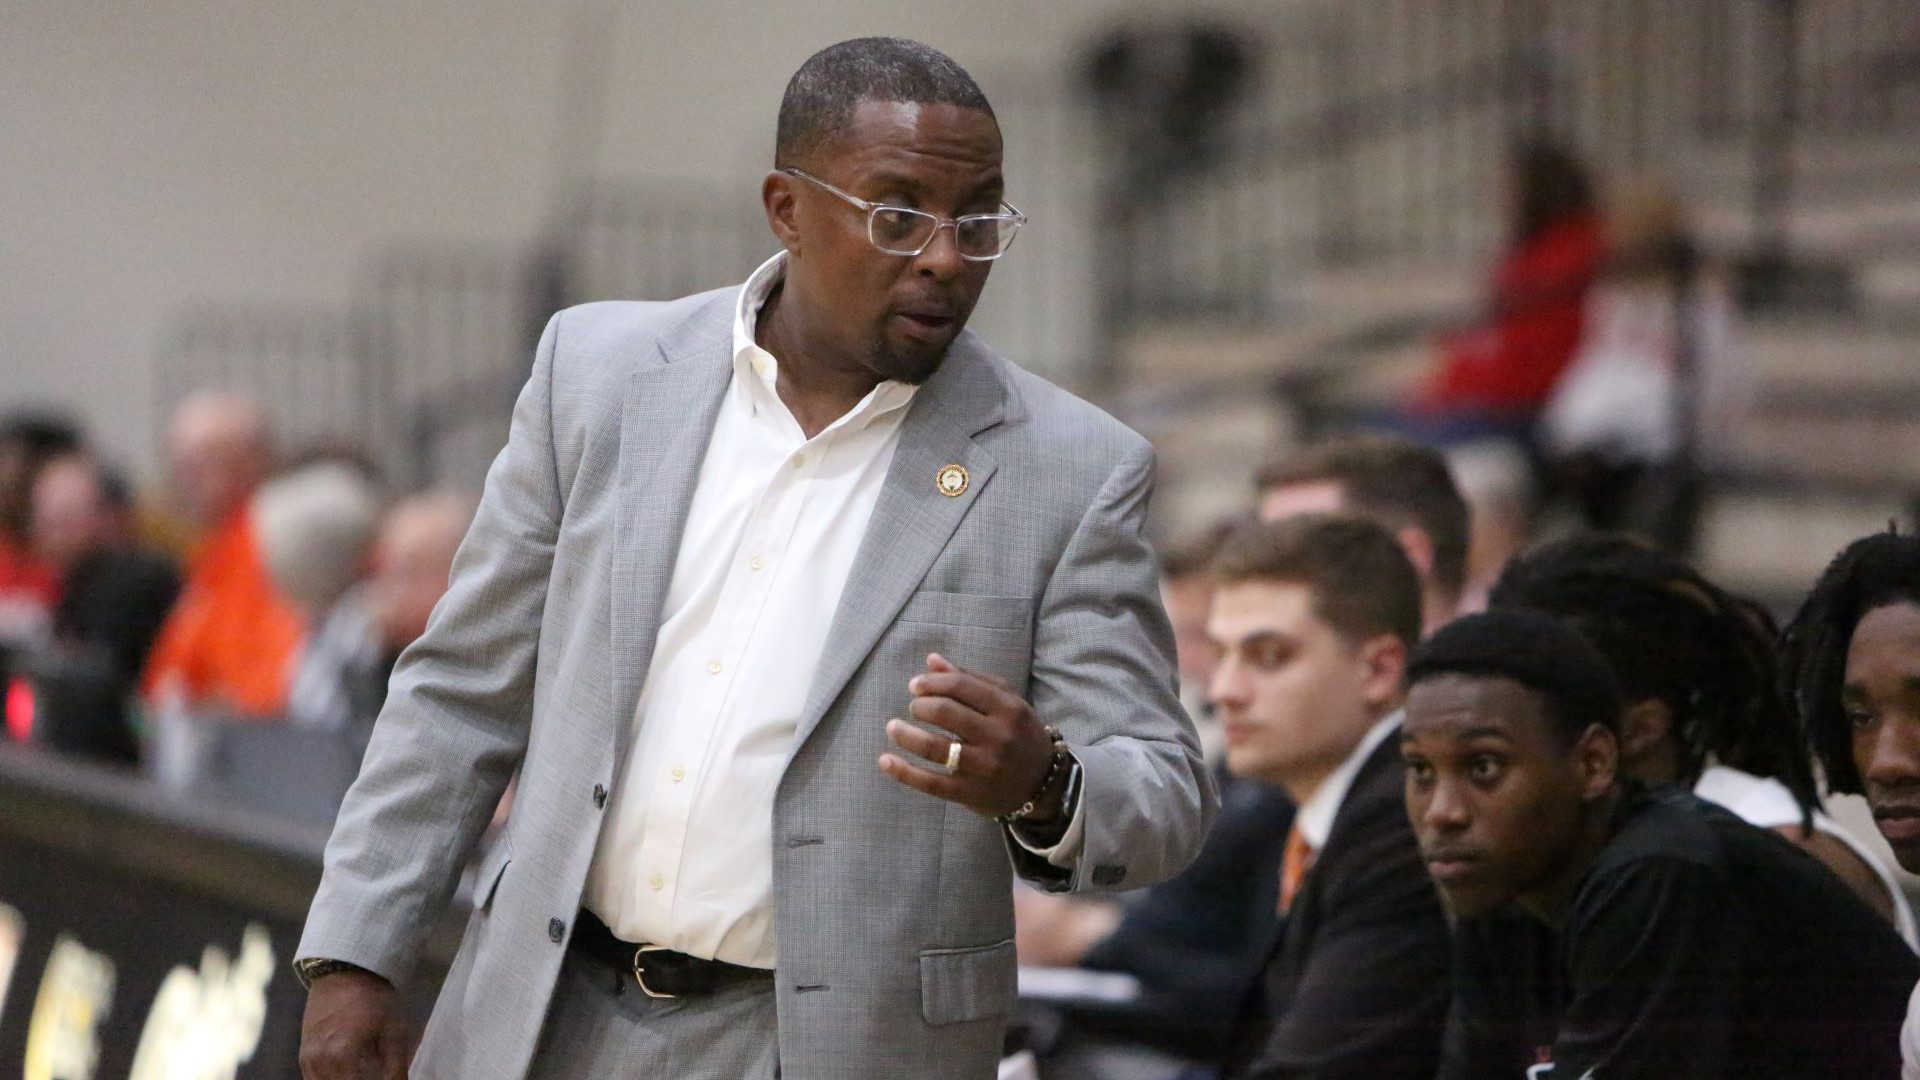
994	187
1855	690
1258	637
1484	731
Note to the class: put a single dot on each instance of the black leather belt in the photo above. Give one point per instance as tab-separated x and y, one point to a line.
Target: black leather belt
661	972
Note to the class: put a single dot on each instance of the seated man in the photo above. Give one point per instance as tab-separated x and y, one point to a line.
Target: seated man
1688	944
1853	659
1698	674
1314	618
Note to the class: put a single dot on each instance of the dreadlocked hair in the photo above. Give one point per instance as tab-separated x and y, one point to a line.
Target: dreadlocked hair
1871	573
1673	636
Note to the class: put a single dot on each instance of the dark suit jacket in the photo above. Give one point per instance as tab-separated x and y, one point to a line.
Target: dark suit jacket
1356	984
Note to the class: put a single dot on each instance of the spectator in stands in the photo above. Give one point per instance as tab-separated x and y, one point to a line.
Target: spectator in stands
316	522
1404	487
1652	390
1853	666
1686	942
1702	706
114	594
1314	619
28	587
1494	379
341	682
229	644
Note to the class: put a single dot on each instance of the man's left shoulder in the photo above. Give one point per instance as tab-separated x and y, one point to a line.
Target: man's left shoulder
1052	428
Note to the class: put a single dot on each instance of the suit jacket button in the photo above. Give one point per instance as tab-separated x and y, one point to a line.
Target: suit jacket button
556	930
599	795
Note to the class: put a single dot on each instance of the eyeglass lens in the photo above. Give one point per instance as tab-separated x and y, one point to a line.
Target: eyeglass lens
900	231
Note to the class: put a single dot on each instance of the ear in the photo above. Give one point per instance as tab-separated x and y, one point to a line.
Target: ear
1644	729
1419	548
1384	659
777	197
1597	759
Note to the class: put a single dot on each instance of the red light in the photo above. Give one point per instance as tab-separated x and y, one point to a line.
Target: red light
19	710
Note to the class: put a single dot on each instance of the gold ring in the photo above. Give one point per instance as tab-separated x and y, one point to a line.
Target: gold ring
953	756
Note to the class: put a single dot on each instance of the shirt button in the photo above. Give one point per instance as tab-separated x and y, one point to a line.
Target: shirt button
599	795
678	774
656	883
556	930
799	460
758	562
713	667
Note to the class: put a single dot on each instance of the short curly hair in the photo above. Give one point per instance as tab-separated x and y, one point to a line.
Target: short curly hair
1873	572
821	96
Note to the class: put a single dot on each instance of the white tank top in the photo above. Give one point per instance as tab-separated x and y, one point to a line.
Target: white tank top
1765	802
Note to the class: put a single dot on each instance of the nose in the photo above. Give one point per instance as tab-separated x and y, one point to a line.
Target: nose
940	259
1446	810
1228	688
1889	752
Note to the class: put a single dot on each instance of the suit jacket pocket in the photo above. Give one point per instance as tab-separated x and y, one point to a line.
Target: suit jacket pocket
486	881
968	609
957	985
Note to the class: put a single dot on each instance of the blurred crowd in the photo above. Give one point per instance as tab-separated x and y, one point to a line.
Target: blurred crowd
234	630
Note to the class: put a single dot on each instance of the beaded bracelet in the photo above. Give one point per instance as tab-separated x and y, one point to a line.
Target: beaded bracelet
1056	769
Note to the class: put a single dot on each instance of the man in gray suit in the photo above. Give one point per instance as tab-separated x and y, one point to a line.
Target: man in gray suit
805	619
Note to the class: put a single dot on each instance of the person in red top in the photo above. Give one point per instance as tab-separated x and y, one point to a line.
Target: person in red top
29	588
228	646
1502	372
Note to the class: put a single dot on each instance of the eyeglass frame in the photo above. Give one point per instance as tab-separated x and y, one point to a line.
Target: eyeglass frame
1012	213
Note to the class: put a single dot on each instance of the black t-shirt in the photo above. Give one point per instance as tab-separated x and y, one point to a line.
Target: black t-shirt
1696	946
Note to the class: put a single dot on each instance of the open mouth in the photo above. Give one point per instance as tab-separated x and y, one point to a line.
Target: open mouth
927	322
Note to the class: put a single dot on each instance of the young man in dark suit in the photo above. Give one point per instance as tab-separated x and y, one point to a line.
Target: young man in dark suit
1686	942
1314	618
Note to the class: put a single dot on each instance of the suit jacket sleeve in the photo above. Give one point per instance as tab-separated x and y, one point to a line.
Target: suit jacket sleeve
1103	674
457	715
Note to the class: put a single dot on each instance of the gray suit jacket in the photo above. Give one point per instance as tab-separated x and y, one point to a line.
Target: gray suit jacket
893	909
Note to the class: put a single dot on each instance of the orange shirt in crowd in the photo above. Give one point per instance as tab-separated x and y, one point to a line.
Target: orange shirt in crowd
231	639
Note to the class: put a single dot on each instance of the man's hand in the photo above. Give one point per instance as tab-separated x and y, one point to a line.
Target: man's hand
1004	751
354	1030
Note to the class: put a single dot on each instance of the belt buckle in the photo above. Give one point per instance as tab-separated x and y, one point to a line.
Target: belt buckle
640	971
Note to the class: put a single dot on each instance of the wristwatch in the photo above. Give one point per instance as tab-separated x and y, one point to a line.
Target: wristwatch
314	967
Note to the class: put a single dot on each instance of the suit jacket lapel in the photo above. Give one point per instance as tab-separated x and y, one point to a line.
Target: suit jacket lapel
913	520
671	405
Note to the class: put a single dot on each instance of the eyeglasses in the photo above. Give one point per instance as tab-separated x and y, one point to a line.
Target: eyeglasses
897	230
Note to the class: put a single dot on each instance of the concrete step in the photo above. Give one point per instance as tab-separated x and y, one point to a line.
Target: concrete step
1773	545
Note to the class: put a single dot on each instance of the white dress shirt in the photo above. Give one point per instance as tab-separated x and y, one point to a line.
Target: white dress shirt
1314	819
685	858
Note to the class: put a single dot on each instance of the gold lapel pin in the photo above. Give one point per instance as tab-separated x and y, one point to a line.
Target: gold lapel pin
952	481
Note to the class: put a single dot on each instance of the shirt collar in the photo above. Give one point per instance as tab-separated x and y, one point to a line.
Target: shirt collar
1315	816
758	369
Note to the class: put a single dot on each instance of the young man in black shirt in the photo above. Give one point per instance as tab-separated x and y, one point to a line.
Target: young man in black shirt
1687	943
